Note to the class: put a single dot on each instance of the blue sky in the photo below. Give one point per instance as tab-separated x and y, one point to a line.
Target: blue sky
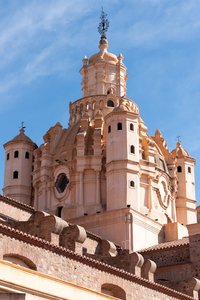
42	44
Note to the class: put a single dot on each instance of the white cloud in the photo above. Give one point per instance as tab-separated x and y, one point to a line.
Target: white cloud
32	37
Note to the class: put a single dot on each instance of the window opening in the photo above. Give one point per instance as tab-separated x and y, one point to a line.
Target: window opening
15	174
179	169
189	170
61	182
16	154
110	103
8	156
109	129
131	127
132	149
59	211
119	126
27	155
132	183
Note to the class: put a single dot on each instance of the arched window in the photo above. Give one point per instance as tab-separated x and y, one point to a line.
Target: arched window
189	170
27	155
110	103
131	127
8	156
109	129
16	154
132	183
119	126
179	169
15	174
132	149
113	290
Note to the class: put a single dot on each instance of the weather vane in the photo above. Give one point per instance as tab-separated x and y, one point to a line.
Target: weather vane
22	125
178	138
103	25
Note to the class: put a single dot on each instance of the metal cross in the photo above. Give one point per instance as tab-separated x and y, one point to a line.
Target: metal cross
22	125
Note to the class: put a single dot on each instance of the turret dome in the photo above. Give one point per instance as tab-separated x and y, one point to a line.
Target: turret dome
21	137
180	151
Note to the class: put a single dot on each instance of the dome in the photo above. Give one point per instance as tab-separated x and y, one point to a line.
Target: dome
21	137
180	151
103	54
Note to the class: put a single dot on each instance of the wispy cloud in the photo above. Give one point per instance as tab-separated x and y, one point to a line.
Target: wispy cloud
33	37
152	22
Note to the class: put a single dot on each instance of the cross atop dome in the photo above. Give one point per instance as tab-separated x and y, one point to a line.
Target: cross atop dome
103	25
22	128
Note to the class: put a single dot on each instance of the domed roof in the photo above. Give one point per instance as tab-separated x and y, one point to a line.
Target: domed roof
21	137
180	151
103	54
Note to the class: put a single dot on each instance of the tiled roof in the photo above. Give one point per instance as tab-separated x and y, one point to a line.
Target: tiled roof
167	245
16	203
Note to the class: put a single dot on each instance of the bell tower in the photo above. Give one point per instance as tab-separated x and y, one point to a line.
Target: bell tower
18	167
185	201
122	162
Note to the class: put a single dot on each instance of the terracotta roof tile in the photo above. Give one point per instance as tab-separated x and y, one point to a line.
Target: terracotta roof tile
167	245
16	203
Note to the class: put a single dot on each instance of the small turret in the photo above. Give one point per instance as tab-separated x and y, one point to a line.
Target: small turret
122	157
18	168
186	200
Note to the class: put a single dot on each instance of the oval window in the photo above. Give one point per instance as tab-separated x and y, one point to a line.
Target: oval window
61	182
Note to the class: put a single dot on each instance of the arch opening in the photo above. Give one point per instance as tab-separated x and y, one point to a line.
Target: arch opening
113	290
20	260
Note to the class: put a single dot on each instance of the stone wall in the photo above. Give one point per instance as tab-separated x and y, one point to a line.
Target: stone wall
12	209
66	265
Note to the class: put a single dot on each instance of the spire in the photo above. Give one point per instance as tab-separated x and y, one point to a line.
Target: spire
103	25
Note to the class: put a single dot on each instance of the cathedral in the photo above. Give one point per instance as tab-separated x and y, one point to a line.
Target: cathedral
100	210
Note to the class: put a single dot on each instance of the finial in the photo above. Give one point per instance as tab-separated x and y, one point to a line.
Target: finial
103	25
178	139
85	60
